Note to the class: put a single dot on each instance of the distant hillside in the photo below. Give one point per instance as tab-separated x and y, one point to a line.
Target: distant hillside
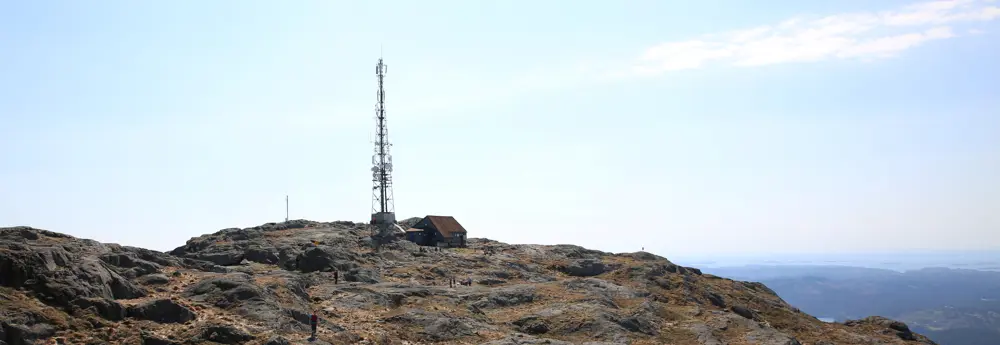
259	285
951	306
771	272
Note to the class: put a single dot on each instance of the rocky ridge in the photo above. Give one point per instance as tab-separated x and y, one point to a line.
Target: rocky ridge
259	285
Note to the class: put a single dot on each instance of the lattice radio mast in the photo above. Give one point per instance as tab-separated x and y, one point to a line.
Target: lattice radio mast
383	214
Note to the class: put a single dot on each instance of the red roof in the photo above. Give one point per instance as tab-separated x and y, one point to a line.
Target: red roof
446	225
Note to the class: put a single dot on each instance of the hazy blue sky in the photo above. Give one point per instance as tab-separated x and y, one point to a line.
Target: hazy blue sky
684	127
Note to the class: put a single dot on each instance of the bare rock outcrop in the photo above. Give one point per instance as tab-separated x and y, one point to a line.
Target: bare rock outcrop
259	285
162	311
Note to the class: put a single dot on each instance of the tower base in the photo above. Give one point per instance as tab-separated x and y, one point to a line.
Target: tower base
383	228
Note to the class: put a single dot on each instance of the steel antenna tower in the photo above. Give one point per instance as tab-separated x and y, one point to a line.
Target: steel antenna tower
383	213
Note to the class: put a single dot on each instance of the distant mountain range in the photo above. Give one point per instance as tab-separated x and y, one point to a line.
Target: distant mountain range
983	260
951	306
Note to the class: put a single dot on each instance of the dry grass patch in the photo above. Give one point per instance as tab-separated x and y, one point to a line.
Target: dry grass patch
672	335
555	292
675	313
270	281
15	300
465	251
628	303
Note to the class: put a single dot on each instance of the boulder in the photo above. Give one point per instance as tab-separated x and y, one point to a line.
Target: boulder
19	334
103	307
716	299
224	334
229	257
261	255
162	311
277	340
743	311
150	339
132	266
225	291
154	279
362	275
646	319
531	325
585	268
324	259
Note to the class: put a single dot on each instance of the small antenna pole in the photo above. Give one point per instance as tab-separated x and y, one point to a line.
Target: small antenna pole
286	207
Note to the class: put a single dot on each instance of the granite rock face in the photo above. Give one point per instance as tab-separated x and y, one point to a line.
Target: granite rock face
260	285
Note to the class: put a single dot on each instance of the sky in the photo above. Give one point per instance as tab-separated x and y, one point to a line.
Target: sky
681	127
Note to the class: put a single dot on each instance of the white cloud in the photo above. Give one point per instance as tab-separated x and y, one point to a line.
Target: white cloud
861	36
884	47
843	36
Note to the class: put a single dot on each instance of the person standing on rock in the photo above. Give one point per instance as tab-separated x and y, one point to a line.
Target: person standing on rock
336	277
313	321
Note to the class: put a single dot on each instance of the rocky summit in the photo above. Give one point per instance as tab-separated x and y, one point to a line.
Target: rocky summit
260	285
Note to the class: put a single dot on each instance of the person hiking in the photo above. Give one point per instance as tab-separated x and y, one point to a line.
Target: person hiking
313	321
336	277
